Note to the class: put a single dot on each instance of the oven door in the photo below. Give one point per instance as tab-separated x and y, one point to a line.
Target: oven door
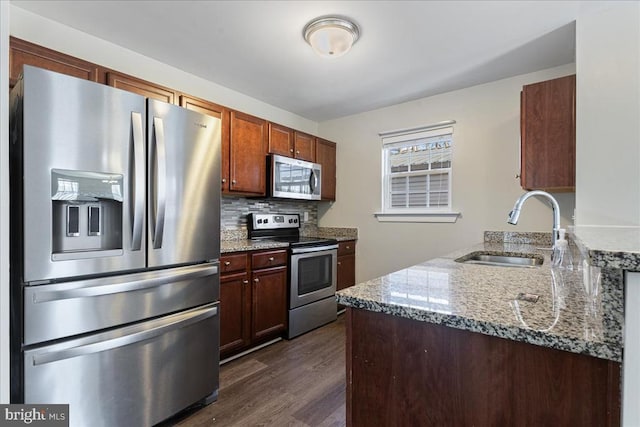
313	274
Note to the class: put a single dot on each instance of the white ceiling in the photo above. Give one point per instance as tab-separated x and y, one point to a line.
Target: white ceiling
407	49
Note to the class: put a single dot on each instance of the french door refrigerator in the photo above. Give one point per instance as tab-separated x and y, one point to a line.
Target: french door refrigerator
115	227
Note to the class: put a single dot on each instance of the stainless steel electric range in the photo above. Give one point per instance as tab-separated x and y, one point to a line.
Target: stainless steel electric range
312	270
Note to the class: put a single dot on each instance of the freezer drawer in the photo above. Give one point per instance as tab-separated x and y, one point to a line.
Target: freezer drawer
134	376
66	309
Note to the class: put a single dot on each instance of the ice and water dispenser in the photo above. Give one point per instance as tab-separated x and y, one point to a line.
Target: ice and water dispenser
87	214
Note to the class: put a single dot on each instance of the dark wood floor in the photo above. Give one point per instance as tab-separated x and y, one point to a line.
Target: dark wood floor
291	383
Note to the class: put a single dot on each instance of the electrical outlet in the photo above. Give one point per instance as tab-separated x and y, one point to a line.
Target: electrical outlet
305	216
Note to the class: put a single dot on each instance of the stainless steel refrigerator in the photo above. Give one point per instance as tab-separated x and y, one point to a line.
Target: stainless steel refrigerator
115	221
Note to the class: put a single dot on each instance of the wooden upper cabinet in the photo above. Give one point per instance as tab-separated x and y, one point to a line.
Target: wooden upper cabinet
24	53
548	135
247	154
209	108
280	140
141	87
291	143
326	156
304	146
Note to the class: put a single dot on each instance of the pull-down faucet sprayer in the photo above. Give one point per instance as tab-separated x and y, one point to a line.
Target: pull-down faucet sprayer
514	215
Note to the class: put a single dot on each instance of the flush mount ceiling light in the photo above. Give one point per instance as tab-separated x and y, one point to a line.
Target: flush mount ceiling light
331	36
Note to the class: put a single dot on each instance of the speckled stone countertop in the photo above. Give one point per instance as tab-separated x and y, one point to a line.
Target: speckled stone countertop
237	241
609	247
482	298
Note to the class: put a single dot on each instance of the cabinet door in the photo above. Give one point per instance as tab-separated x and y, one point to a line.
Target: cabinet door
326	156
269	295
22	52
346	271
548	135
280	140
248	151
205	107
235	312
304	146
141	87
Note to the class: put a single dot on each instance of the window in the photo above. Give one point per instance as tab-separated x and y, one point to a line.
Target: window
417	174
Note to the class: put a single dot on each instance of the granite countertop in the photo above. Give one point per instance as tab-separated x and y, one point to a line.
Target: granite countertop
482	299
237	241
609	247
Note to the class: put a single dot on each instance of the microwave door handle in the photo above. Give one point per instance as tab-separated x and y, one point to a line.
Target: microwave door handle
313	181
138	181
160	183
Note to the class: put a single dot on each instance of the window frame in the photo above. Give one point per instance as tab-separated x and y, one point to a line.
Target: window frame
399	138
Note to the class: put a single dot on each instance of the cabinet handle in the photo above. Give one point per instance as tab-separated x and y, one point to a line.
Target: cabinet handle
227	263
298	152
224	180
233	181
348	247
270	259
291	150
245	281
256	280
339	263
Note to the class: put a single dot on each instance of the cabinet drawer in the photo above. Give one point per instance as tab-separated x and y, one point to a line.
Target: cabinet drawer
268	259
346	248
234	262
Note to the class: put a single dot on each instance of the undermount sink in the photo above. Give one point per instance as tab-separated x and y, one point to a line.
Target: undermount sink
502	260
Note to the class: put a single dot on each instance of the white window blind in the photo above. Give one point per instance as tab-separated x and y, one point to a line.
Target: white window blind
417	170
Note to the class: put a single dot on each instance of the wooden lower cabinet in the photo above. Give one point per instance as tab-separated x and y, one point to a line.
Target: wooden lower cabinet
346	264
235	300
269	310
402	372
253	303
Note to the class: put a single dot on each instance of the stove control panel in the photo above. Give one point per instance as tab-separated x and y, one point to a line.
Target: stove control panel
273	221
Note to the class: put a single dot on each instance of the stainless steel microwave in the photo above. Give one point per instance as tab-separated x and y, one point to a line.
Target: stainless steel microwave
294	179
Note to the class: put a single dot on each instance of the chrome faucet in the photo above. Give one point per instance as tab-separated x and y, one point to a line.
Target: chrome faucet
515	213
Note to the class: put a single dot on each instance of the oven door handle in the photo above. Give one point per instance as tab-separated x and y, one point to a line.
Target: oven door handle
313	249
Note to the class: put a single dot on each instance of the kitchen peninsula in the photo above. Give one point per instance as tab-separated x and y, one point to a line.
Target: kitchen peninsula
449	343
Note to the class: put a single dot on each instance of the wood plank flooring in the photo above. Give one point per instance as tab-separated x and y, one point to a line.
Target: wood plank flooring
290	383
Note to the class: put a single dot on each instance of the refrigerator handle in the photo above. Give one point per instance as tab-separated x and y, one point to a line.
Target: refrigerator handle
101	287
160	182
180	321
138	181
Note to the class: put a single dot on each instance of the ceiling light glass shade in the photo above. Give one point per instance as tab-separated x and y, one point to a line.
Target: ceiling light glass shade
331	36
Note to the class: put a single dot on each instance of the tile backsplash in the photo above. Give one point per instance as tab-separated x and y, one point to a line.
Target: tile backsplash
235	209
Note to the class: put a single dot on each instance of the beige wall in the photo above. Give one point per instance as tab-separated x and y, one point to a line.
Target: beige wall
45	32
608	117
485	162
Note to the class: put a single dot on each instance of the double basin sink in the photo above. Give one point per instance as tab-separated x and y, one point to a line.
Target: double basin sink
502	259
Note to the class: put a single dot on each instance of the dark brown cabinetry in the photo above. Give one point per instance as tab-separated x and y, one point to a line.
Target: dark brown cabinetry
253	299
209	108
280	140
403	372
291	143
247	154
24	53
326	156
235	304
346	264
245	139
304	146
141	87
548	135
